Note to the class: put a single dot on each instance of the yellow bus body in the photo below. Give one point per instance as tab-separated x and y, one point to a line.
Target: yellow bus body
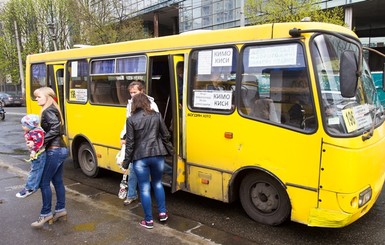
322	175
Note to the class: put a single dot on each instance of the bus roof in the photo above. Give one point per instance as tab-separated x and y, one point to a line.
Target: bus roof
188	40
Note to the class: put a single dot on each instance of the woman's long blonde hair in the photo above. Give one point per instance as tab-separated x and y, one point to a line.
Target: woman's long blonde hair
50	96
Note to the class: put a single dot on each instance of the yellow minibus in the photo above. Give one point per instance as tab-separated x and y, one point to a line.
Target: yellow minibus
282	117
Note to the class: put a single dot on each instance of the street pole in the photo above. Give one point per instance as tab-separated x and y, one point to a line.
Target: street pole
242	13
21	71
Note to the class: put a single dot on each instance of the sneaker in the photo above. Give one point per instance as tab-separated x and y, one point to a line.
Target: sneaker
163	217
129	200
147	224
24	193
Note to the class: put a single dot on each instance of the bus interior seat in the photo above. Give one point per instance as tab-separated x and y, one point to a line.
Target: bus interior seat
265	109
160	91
93	96
102	92
122	91
249	92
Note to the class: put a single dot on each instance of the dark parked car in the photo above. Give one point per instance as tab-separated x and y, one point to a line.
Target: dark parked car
12	99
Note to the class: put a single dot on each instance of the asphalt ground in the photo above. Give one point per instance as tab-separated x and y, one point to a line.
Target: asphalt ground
94	216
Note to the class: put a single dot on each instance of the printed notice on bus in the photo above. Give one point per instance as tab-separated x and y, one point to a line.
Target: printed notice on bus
77	94
74	69
204	62
273	56
222	57
356	118
213	99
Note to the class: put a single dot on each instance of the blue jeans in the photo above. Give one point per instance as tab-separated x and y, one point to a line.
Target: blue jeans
167	169
144	168
132	183
53	172
34	177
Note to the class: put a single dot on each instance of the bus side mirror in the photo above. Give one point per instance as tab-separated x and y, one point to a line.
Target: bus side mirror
348	74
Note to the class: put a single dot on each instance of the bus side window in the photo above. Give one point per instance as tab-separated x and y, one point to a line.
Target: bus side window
122	92
297	106
264	108
104	92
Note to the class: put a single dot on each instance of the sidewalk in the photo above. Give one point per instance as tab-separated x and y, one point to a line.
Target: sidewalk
100	220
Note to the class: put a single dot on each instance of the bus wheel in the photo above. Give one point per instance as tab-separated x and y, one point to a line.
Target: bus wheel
264	199
87	160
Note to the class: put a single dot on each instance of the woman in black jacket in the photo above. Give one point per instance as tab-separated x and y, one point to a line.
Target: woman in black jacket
57	152
146	140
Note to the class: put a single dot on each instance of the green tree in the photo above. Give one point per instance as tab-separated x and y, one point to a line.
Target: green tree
262	11
47	24
22	13
104	21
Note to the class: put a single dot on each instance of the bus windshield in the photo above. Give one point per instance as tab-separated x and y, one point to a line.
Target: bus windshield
344	116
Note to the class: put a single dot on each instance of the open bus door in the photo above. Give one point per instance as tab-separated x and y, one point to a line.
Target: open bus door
163	87
178	71
56	82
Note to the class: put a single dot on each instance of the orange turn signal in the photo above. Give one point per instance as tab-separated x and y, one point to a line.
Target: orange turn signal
228	135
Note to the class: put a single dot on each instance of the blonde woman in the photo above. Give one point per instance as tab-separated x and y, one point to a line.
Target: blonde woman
57	152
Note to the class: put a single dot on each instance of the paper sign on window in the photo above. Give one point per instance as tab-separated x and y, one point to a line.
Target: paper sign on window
273	56
78	95
213	99
204	62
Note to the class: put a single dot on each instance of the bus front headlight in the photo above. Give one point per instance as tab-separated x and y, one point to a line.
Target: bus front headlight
364	197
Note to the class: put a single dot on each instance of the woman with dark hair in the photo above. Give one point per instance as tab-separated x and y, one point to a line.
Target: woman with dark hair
147	142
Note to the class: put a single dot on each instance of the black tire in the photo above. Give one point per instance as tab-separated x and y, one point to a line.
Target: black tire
87	160
2	116
264	199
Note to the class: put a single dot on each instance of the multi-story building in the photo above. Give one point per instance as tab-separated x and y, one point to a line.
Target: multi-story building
166	17
175	16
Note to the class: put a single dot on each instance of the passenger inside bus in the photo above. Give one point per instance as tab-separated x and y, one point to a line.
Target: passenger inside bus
179	73
216	82
263	107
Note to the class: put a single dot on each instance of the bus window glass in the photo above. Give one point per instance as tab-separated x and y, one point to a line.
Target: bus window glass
39	77
112	89
275	85
213	74
131	64
342	115
103	66
78	76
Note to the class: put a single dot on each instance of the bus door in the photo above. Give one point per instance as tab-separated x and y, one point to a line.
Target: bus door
56	82
162	87
178	71
210	121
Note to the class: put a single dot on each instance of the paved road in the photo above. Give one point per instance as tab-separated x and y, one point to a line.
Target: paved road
207	220
95	216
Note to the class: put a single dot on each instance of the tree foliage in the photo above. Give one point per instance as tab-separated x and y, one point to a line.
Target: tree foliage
105	22
44	25
274	11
